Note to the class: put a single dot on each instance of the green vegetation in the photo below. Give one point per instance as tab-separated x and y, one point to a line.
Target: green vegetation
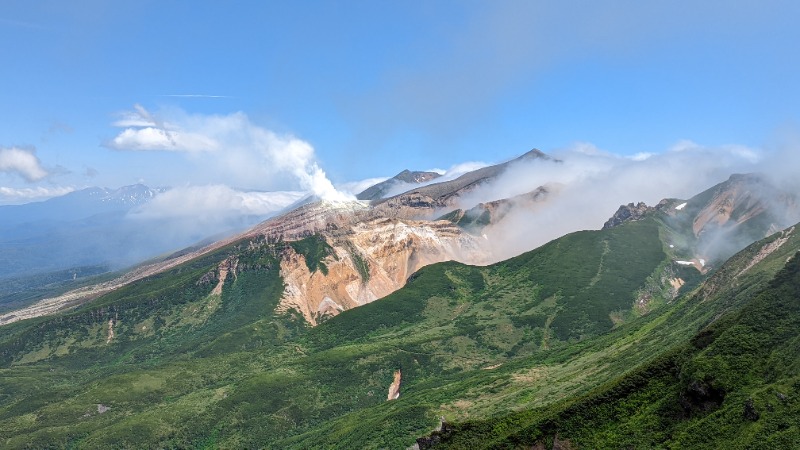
473	220
188	368
452	216
314	249
361	264
734	385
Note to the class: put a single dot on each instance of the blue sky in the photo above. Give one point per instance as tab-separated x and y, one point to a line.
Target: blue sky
364	89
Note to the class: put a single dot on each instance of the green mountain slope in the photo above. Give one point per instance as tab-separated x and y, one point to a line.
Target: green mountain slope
190	366
173	339
571	371
734	385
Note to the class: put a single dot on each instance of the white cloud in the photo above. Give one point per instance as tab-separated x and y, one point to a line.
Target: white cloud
460	169
132	119
214	201
151	138
145	131
684	145
10	195
587	148
203	211
356	187
641	156
229	147
745	153
22	162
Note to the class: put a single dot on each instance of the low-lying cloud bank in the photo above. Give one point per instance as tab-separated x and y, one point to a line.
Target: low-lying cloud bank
201	211
13	196
589	184
230	147
216	200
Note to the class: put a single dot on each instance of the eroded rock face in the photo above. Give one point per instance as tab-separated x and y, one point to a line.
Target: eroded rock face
372	259
628	213
313	218
742	198
394	389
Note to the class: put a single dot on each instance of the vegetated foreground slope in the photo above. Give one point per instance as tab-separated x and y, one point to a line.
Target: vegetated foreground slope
736	384
173	360
518	382
199	356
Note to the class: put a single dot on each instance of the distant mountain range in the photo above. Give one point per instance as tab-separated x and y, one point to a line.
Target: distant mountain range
52	245
77	205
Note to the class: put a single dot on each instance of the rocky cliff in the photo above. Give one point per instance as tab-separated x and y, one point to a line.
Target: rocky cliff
369	261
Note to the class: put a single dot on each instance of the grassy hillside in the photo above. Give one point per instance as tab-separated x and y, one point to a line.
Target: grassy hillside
493	387
189	368
734	385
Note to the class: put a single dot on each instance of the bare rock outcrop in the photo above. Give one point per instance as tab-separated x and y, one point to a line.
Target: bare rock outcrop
371	260
628	213
394	388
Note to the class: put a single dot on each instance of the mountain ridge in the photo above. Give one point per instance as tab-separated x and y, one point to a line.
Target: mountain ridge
337	219
407	177
422	201
201	354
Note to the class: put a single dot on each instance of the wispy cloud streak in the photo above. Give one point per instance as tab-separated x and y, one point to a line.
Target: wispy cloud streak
195	96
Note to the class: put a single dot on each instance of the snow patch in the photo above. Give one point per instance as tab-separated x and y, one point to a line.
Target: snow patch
681	206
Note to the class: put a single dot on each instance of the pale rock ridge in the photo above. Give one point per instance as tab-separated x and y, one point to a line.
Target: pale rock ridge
768	249
392	250
488	213
719	210
394	388
743	198
436	198
227	266
110	331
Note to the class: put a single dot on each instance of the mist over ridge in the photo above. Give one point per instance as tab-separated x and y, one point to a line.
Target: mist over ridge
588	185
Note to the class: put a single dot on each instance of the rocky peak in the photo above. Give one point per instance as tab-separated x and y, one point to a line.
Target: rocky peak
416	176
628	213
534	153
